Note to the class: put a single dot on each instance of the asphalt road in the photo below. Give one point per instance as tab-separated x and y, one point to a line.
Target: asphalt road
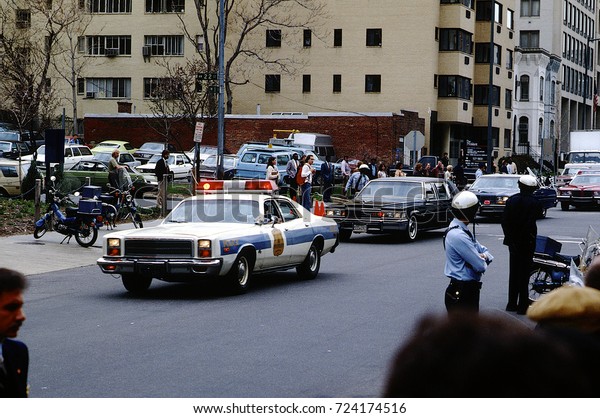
331	337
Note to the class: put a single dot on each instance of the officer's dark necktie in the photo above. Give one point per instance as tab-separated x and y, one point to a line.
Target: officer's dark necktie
3	378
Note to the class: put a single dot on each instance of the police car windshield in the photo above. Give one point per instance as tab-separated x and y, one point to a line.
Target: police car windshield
215	210
391	191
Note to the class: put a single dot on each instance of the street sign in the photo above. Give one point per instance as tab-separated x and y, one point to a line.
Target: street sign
414	140
208	76
198	132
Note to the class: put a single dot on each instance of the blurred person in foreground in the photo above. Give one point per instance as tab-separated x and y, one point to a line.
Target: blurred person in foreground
473	356
14	356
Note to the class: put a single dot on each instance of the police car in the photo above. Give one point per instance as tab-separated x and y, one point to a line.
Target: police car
230	230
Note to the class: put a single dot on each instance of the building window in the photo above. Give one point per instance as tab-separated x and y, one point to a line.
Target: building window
507	138
108	45
164	44
481	95
524	82
115	88
529	39
530	8
373	83
483	10
509	59
523	130
468	3
374	37
200	43
553	93
306	83
456	40
307	38
23	18
272	83
109	6
165	88
498	13
337	83
510	19
337	37
508	99
273	38
81	86
165	6
482	53
454	86
541	89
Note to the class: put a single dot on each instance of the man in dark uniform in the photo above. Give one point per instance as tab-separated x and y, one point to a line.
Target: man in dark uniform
14	356
520	231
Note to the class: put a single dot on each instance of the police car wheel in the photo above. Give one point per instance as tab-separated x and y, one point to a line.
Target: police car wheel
312	263
135	283
239	275
412	229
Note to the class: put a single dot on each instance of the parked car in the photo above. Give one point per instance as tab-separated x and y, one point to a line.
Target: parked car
228	236
205	152
12	173
253	162
493	190
571	170
150	149
111	145
582	191
208	168
97	172
14	150
179	164
395	205
125	158
72	155
22	142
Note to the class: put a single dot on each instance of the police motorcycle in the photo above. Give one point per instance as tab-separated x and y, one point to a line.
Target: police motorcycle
552	269
80	221
119	204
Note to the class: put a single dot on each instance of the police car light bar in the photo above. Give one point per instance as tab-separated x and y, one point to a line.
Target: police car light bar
236	186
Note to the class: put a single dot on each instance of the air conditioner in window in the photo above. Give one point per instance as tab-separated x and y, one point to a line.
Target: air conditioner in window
111	52
146	51
90	95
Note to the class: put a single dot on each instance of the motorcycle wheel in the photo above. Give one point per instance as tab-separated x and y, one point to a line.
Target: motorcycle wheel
86	236
39	232
136	219
540	282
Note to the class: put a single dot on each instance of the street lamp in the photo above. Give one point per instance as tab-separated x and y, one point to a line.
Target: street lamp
585	80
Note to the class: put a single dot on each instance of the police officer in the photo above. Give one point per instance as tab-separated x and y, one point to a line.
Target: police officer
466	259
520	230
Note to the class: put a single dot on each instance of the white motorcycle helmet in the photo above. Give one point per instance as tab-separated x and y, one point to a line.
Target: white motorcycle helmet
465	205
528	181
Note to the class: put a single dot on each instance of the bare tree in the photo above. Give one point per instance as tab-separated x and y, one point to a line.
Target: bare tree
30	31
66	54
177	95
246	22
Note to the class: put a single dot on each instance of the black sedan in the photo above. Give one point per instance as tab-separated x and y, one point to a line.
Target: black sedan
395	205
493	190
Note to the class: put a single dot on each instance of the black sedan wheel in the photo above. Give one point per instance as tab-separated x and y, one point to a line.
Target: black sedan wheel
413	228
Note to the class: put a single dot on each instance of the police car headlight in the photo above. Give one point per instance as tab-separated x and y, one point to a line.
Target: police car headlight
113	247
501	200
204	248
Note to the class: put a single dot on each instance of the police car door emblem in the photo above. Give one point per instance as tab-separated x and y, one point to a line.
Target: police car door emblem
278	243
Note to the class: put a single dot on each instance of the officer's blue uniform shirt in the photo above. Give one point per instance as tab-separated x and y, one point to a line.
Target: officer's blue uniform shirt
463	261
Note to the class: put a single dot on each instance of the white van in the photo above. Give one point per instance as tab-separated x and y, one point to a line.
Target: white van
10	180
320	144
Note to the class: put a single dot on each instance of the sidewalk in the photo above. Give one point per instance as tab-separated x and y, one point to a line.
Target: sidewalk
30	256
